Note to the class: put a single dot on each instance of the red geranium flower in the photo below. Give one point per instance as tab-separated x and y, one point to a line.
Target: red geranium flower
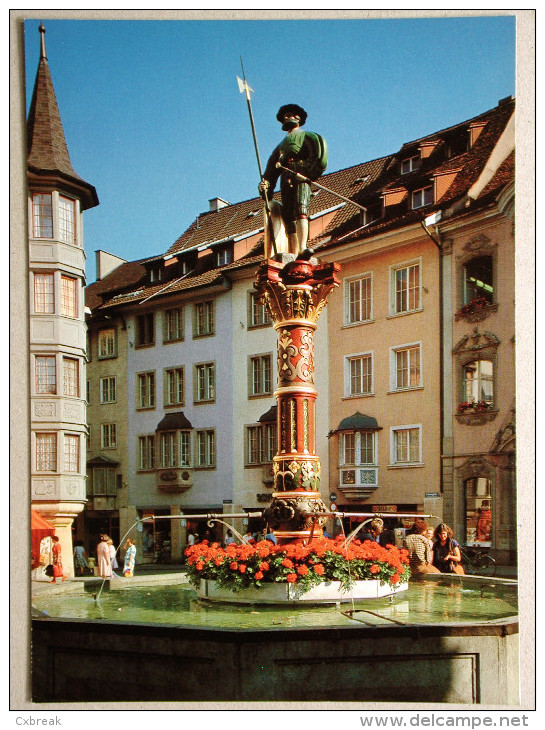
319	569
258	575
287	563
242	567
302	569
291	577
264	566
394	578
234	565
199	565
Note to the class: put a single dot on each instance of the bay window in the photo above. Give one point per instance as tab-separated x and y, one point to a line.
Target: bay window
44	293
357	458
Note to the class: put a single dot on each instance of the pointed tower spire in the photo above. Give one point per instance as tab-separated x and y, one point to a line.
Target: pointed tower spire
46	143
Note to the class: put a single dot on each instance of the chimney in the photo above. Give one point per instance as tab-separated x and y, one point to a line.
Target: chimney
217	204
106	263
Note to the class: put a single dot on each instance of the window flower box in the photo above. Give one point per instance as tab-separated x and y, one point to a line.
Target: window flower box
475	413
476	310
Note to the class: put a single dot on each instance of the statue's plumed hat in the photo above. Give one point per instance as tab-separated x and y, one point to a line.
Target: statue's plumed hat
294	109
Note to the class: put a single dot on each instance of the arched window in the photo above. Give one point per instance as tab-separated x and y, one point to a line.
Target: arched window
478	279
478	511
478	382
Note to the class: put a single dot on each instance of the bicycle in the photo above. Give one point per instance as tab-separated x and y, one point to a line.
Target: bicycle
477	562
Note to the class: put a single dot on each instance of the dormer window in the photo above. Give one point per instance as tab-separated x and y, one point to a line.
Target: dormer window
187	264
410	164
156	273
224	256
422	197
370	214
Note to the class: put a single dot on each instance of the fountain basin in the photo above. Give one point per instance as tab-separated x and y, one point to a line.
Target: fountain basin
286	593
458	644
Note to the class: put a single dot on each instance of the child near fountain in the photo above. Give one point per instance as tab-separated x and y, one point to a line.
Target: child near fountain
130	556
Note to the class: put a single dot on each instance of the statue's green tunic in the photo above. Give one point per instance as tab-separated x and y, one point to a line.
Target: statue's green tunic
302	152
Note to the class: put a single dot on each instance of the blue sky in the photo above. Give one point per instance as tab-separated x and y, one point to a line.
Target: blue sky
154	120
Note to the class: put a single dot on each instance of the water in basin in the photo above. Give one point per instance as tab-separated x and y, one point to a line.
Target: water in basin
425	602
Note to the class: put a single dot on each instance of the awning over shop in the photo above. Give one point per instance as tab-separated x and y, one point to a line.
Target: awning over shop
39	528
358	422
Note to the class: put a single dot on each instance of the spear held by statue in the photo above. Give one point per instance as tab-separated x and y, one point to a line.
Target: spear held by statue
245	89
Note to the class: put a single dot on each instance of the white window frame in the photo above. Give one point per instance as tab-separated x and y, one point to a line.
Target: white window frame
260	443
71	378
394	351
357	472
205	448
46	451
45	375
224	257
40	222
67	223
108	435
394	431
205	382
478	380
411	166
71	453
173	323
418	197
348	360
107	343
260	375
108	389
204	322
145	390
258	314
394	312
349	319
146	452
69	298
174	386
44	292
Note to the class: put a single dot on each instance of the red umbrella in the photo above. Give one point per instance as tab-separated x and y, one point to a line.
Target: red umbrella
40	528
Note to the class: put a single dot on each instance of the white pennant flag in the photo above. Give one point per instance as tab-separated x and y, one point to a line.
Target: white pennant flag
244	87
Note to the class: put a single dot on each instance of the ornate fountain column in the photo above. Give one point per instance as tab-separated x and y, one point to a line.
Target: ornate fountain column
295	295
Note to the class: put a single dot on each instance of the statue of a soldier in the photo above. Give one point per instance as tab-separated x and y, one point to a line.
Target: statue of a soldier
301	152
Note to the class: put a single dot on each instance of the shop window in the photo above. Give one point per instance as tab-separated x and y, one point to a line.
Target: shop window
478	512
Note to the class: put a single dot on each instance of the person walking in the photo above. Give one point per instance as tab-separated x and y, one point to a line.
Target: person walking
57	560
103	555
113	558
130	558
80	558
